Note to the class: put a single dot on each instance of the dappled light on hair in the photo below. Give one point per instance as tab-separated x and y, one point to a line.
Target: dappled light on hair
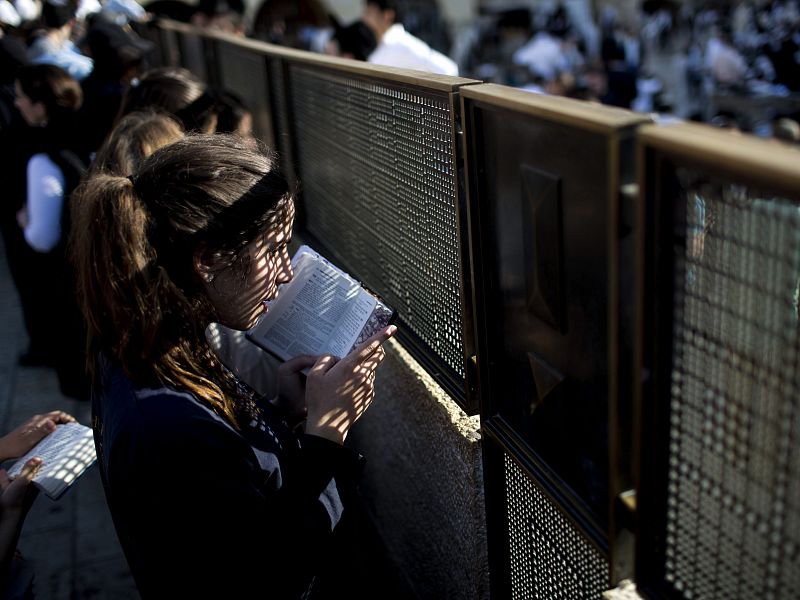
134	246
134	138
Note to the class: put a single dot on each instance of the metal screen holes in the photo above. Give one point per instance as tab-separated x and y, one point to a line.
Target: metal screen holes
733	500
244	73
379	186
281	116
550	560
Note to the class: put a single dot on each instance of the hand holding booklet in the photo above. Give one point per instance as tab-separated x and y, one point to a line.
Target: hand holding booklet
322	310
66	453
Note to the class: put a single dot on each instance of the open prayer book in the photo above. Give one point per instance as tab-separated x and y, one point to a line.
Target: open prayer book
66	453
322	310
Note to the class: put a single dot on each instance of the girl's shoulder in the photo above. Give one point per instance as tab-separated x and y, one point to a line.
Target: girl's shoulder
157	414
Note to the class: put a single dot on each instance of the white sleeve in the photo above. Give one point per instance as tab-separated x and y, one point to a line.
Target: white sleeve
45	201
27	9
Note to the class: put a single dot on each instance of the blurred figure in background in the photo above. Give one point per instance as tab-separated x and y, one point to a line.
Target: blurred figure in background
356	41
225	15
53	44
48	99
398	48
135	137
786	130
235	117
723	62
119	58
175	91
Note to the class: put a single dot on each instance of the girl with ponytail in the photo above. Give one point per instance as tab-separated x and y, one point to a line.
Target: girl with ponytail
214	491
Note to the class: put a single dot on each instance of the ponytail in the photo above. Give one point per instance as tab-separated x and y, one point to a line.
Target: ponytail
110	252
134	311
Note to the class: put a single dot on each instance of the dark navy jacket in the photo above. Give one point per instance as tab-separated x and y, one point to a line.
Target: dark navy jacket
204	511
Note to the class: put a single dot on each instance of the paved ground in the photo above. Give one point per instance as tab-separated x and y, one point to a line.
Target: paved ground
71	542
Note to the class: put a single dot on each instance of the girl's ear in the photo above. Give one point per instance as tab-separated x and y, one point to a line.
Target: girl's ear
204	263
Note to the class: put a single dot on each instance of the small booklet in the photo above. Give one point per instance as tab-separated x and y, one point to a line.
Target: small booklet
66	454
322	310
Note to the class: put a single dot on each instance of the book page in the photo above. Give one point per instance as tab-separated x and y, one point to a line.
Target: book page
65	454
344	339
321	311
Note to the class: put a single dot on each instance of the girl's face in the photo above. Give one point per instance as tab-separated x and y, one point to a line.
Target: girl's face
34	113
238	291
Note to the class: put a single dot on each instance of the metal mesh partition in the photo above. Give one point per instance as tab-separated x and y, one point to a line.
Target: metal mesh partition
375	152
280	120
549	559
380	191
193	54
170	49
550	235
243	71
722	499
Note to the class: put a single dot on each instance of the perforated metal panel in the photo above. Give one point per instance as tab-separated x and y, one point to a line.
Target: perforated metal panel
549	559
170	49
280	116
193	56
733	496
243	71
379	183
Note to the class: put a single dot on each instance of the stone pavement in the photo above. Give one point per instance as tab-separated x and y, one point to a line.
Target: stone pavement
72	543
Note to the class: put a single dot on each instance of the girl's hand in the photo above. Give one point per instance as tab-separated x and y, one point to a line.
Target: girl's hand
291	396
27	435
17	495
339	391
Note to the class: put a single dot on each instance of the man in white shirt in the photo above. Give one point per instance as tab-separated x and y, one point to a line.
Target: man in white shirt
724	63
398	48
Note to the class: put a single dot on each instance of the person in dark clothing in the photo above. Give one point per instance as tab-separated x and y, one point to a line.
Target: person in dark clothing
119	57
13	55
211	8
172	9
214	491
783	53
356	41
17	144
48	99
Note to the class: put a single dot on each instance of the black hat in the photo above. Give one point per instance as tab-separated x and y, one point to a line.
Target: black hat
356	39
109	42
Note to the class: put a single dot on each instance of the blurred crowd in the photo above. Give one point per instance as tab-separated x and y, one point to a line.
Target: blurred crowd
733	64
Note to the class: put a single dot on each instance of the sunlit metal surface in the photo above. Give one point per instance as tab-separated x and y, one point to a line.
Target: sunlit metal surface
379	187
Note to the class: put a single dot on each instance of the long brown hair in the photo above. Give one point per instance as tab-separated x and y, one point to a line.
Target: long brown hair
133	244
135	137
176	91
